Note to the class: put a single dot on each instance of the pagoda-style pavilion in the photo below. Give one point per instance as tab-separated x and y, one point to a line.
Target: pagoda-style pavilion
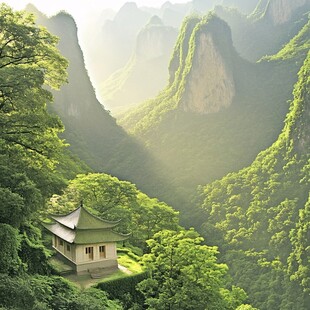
85	240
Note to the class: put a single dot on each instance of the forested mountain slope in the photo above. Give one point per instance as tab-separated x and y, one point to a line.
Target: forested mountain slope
218	111
260	216
92	133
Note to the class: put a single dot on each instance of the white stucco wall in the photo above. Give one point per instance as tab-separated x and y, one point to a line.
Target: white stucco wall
82	257
63	248
82	261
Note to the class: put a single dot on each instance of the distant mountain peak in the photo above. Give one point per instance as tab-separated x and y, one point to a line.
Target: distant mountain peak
33	10
155	20
154	40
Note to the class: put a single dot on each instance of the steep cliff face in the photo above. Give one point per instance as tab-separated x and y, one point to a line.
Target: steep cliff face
210	85
218	110
201	72
115	41
268	28
207	70
281	11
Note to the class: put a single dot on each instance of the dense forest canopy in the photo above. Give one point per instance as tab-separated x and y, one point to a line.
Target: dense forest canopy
260	215
30	146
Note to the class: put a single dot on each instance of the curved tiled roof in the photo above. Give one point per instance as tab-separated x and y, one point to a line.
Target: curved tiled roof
81	227
82	219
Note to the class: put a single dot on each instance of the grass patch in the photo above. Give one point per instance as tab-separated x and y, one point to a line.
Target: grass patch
130	263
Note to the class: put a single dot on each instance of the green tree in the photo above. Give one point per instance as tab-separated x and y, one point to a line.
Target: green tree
30	66
9	244
184	274
29	59
113	199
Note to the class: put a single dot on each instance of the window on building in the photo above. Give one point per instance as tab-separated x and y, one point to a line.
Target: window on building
102	251
61	242
90	251
68	247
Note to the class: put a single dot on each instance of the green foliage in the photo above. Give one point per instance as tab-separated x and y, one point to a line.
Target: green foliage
298	261
9	244
30	146
124	289
93	299
298	47
32	252
29	59
15	293
50	293
246	307
260	214
113	199
184	274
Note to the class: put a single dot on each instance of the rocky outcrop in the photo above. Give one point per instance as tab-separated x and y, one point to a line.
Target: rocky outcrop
207	73
210	86
280	11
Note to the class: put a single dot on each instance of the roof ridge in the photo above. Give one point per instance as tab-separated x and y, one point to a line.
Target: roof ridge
99	218
61	215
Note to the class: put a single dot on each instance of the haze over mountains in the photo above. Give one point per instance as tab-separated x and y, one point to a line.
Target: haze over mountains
212	95
111	50
91	131
227	110
218	110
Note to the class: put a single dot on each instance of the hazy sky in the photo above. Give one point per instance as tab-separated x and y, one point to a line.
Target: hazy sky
78	6
83	11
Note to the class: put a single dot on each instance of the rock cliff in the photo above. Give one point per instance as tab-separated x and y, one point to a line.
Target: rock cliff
90	130
207	73
210	85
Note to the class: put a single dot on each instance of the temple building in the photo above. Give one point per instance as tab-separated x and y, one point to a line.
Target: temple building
84	240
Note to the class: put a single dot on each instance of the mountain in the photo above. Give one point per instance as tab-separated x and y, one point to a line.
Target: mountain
146	72
260	215
218	110
90	130
114	42
112	50
268	28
